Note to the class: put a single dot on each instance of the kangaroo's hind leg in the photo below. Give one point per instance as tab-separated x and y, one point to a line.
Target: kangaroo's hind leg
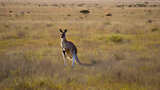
64	57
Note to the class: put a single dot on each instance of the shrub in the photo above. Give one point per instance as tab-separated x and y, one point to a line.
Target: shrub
109	14
81	5
129	5
150	21
85	11
155	29
141	5
116	38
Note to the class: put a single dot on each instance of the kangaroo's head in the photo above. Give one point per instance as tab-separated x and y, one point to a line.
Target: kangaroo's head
63	33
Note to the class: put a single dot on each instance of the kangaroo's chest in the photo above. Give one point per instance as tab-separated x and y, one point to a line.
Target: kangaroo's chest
65	45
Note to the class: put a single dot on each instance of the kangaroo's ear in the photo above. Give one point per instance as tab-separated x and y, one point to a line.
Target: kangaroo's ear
61	30
65	30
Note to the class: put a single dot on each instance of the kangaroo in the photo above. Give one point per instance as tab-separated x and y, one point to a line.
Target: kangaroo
68	49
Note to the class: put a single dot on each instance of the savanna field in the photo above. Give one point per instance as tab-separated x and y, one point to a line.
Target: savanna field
119	44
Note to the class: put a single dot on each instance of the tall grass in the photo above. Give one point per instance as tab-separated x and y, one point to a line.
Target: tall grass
120	52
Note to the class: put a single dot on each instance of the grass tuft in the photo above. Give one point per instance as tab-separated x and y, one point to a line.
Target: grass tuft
116	38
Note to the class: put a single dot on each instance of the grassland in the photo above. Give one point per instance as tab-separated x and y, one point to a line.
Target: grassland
121	51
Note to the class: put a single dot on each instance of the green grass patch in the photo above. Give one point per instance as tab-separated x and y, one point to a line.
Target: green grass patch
115	38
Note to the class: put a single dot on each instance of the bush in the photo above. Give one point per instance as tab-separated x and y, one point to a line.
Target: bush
109	14
141	5
155	29
85	11
116	38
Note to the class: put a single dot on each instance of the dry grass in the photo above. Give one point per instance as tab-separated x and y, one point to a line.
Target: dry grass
120	52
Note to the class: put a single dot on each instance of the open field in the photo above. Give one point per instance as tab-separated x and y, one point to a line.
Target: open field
119	43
